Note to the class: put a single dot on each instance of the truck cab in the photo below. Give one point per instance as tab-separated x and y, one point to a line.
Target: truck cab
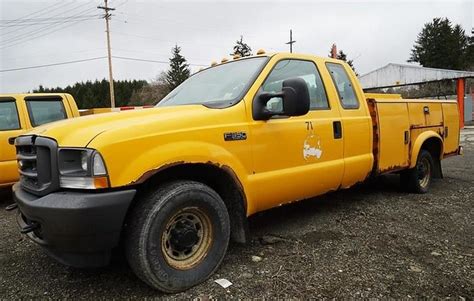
174	183
22	112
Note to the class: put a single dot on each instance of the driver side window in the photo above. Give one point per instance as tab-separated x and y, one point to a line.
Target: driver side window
306	70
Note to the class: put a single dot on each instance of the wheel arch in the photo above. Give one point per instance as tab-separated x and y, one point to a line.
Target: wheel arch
433	143
221	178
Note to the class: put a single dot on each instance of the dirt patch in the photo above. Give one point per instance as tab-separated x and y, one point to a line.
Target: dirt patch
373	240
319	236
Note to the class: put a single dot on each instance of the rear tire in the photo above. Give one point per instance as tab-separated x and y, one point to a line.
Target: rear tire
418	179
177	236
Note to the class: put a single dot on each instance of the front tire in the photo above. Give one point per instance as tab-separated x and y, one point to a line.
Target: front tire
177	236
418	179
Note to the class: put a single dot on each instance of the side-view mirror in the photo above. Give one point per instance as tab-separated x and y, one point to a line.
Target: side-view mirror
294	100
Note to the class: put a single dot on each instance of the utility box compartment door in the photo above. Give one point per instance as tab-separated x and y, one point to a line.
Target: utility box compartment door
451	128
425	114
394	131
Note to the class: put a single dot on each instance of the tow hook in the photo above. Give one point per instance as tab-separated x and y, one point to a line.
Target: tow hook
29	228
11	207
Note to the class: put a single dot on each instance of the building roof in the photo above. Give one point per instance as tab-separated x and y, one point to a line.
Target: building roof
393	75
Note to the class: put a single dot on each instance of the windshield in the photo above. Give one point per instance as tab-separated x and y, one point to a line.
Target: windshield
220	85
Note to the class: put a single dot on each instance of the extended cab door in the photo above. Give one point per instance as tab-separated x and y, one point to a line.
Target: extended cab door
12	124
356	124
295	157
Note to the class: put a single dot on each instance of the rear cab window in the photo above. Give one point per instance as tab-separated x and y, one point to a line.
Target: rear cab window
344	87
45	109
9	119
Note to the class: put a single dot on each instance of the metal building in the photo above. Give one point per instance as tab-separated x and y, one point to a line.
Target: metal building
397	75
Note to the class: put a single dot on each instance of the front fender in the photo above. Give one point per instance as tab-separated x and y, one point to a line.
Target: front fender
416	146
153	159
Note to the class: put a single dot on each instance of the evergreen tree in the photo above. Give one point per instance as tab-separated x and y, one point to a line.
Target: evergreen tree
470	54
241	48
179	69
96	94
441	45
342	56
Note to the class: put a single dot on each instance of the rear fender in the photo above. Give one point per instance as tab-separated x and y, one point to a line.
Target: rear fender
418	144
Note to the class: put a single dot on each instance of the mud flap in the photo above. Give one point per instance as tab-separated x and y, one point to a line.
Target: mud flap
437	170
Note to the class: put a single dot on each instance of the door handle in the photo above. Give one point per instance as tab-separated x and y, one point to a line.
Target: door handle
337	129
11	140
426	109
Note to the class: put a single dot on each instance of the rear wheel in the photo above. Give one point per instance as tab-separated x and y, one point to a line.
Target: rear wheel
418	179
177	236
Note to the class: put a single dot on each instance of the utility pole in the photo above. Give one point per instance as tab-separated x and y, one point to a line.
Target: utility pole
107	16
291	42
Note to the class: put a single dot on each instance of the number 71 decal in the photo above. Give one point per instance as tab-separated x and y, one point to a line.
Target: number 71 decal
312	143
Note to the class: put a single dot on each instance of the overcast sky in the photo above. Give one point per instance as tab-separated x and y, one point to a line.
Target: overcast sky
372	33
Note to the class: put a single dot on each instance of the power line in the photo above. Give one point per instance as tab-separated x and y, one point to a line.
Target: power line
121	4
37	12
47	54
47	27
151	61
34	37
92	59
54	64
34	34
53	21
156	53
49	12
34	20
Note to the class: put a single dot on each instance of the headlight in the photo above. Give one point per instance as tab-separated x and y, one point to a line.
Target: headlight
82	168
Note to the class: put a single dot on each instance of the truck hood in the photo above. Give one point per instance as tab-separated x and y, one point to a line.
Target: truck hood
79	132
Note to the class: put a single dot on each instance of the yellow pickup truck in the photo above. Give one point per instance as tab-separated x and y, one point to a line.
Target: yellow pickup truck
22	112
175	183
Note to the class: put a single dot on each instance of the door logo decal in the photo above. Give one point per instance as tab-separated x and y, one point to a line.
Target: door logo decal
312	143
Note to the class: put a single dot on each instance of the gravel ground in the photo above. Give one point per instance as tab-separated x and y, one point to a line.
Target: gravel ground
369	241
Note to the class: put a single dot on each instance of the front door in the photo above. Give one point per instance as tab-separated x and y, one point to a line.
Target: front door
296	157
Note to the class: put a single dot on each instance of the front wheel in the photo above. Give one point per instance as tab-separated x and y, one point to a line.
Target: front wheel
177	236
418	179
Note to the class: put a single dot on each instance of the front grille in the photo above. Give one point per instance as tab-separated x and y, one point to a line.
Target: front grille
37	164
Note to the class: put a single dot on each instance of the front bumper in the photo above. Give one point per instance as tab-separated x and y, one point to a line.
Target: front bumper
76	228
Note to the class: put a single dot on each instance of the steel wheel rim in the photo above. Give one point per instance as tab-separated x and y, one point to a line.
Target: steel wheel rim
424	172
187	238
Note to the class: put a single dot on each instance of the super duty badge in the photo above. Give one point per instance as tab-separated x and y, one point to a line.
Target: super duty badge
235	136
